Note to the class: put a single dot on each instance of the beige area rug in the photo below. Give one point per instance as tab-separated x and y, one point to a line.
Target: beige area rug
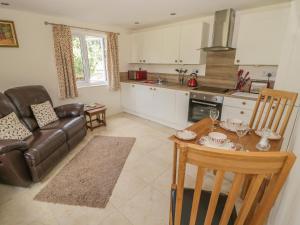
89	178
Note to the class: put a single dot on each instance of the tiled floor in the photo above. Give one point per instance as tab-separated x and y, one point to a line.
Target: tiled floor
141	196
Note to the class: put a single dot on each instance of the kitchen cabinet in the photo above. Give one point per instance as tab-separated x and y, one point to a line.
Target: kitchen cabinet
237	108
171	40
194	36
153	46
144	100
260	37
162	105
128	97
137	46
171	45
229	112
182	109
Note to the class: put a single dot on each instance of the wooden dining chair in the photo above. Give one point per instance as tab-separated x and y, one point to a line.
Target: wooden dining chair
196	206
273	110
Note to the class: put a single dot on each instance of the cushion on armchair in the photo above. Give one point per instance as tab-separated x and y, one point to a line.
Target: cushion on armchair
12	128
44	113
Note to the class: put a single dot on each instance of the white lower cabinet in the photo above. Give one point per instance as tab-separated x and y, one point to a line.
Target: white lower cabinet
237	108
182	109
128	97
232	112
144	100
166	106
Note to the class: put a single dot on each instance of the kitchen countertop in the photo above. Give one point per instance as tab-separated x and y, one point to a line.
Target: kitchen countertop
176	86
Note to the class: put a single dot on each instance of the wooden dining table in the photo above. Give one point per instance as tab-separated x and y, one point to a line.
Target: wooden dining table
203	127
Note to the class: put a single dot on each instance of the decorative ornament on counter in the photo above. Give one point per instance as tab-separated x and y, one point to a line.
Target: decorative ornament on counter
181	75
242	80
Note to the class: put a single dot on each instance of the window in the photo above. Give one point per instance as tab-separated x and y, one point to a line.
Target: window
89	58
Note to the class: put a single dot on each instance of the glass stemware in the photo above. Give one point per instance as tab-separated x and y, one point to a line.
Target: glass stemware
214	115
241	130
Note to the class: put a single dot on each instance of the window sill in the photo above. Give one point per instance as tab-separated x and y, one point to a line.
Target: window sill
86	85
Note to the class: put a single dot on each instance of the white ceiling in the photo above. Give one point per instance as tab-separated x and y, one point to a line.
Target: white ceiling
125	12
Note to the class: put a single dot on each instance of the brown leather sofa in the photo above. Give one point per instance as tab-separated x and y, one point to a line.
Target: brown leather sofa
22	162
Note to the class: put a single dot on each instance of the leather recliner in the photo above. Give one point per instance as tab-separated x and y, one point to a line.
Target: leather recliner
40	152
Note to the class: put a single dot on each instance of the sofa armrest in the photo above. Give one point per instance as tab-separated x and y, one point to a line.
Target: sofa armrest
70	110
12	144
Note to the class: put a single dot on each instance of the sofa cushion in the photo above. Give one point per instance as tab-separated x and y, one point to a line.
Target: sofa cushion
42	144
12	128
69	125
44	113
23	98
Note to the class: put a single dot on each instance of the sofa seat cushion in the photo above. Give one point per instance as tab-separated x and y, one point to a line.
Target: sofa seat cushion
42	144
69	125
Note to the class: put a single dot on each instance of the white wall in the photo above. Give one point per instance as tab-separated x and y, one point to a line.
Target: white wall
287	208
34	63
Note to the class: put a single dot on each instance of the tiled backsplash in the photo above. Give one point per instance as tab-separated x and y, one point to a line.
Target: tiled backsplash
260	72
256	72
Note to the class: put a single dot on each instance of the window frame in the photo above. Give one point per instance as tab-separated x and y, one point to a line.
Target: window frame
85	60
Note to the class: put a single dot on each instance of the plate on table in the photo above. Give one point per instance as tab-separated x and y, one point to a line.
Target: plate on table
228	145
273	136
230	124
186	135
225	126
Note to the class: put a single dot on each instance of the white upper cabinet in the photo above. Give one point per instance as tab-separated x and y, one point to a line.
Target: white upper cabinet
171	45
260	37
137	45
194	36
153	46
171	41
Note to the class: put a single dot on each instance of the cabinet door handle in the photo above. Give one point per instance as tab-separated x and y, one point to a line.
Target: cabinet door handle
132	85
154	89
238	60
144	60
187	94
150	88
242	112
180	61
244	103
176	60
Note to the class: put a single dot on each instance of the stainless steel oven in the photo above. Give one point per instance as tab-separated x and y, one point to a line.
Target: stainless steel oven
200	105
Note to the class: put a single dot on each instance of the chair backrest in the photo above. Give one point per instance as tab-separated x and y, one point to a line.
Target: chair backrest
273	110
256	165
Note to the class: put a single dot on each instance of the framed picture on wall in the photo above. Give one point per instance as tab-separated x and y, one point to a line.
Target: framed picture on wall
8	36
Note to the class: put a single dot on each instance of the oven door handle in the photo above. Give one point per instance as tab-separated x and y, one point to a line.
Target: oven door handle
204	103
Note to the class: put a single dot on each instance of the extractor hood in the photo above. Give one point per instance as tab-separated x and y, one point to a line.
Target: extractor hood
223	31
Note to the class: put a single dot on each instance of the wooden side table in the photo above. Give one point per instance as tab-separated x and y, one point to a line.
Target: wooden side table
99	113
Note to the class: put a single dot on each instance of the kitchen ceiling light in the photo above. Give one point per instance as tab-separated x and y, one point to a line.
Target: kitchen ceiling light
5	3
172	14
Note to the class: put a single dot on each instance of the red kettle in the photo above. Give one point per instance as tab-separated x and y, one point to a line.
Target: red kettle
192	82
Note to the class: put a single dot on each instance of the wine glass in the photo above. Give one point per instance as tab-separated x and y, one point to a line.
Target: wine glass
241	130
214	115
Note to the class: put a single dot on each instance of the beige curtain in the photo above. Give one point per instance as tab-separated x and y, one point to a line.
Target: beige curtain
64	61
113	61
